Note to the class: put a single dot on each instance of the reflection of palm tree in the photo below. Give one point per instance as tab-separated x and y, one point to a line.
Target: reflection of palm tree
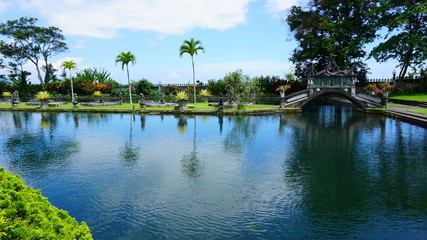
130	153
191	163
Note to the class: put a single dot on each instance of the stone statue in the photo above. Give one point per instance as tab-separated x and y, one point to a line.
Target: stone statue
15	99
120	98
220	103
142	101
74	102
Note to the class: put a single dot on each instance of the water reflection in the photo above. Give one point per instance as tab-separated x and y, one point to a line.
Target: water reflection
191	163
243	128
39	150
182	123
130	153
317	175
351	173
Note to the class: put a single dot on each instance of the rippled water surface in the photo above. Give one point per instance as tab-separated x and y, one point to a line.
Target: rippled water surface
330	174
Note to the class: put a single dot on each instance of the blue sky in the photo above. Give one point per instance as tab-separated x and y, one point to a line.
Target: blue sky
245	34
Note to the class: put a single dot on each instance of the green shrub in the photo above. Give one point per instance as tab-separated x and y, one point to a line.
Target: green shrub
26	214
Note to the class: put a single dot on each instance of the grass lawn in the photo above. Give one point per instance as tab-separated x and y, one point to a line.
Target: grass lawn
396	105
420	110
128	106
410	96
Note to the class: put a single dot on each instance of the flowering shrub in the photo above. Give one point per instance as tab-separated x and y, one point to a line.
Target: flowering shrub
101	87
379	88
283	87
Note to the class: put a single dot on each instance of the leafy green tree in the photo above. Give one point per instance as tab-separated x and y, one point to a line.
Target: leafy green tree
36	44
70	65
125	59
325	29
17	75
406	40
191	47
216	87
240	87
144	86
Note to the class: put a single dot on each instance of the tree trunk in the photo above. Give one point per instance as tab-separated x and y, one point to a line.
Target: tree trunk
130	92
39	75
72	88
194	80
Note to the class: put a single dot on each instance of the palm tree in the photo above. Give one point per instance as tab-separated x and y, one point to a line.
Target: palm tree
70	65
191	47
125	59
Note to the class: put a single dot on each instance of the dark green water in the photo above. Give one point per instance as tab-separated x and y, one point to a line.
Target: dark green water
328	174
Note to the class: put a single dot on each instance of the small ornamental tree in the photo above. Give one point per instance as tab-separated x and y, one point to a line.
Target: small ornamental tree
26	214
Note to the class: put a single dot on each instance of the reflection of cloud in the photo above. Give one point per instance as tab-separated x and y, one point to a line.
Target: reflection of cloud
104	18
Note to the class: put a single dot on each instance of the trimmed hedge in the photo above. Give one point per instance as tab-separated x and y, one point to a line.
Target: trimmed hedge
26	214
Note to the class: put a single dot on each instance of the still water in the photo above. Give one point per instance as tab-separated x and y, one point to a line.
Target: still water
328	174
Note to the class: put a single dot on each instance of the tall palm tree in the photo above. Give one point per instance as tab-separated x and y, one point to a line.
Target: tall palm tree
191	47
70	65
125	59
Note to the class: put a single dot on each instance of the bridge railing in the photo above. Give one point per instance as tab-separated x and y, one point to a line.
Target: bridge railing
331	82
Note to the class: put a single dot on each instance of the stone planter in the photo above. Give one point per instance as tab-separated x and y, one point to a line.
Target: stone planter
182	105
43	104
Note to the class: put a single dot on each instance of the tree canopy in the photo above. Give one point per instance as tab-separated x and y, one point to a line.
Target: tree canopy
406	41
325	29
33	43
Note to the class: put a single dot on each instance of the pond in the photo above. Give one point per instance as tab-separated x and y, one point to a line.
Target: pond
327	174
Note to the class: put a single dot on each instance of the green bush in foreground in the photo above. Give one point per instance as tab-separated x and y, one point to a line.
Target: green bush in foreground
26	214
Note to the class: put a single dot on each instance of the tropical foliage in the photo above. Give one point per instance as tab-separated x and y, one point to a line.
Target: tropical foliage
125	58
191	47
204	93
70	65
181	96
43	95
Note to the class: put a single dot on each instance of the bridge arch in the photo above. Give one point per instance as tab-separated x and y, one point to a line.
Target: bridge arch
358	104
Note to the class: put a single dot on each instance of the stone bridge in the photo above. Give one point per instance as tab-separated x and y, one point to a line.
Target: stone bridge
333	82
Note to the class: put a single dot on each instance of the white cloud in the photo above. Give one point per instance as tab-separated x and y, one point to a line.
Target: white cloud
30	67
104	18
253	68
82	44
4	5
280	5
173	75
